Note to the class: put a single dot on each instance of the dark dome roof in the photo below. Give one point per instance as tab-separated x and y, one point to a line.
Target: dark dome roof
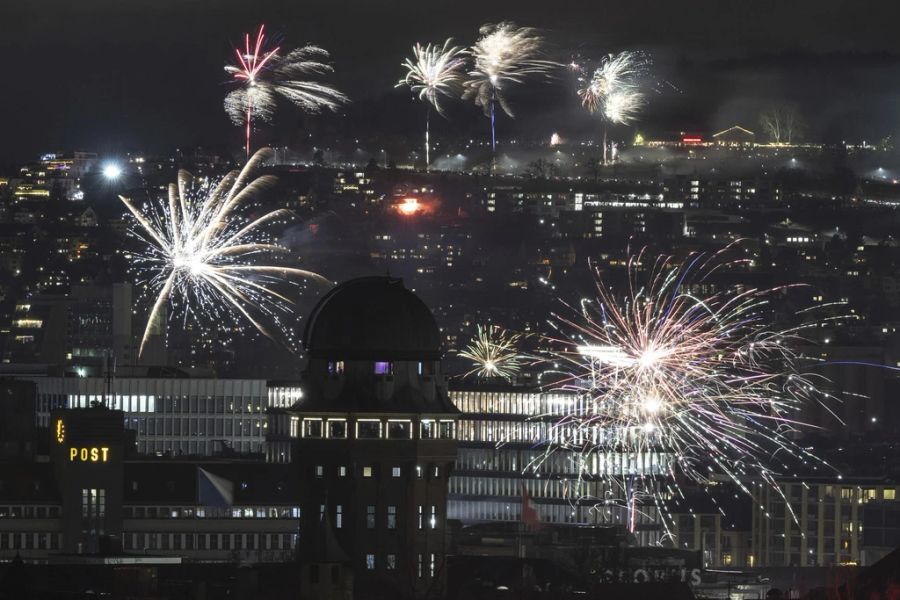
372	318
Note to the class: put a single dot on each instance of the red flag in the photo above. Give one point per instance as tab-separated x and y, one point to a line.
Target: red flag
530	516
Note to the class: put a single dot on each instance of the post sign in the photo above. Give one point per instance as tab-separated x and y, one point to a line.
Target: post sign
89	454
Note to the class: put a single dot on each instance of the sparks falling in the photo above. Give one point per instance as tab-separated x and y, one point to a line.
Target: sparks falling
504	55
263	74
613	90
202	253
433	72
691	386
495	353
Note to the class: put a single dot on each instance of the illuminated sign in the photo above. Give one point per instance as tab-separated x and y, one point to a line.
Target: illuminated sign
60	431
89	454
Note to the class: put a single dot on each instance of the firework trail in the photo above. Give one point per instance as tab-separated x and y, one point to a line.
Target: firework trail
432	72
504	54
613	89
202	252
263	74
695	385
495	352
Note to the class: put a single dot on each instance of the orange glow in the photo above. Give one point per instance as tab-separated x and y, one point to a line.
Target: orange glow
410	206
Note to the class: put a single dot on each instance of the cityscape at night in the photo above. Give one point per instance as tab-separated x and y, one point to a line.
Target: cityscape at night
430	300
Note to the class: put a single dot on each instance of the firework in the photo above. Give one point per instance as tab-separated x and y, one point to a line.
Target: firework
504	54
613	89
432	72
703	384
495	352
202	253
263	74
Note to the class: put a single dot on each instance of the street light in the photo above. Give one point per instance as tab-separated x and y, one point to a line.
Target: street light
112	171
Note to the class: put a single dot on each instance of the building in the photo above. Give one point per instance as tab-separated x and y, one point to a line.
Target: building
376	435
509	446
817	522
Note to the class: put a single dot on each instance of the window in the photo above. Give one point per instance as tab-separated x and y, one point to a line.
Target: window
421	517
367	471
335	367
320	471
433	520
370	517
384	368
342	471
890	494
391	562
427	429
370	562
368	429
392	517
339	516
337	428
431	565
93	502
399	430
395	472
435	472
418	471
445	430
312	428
419	566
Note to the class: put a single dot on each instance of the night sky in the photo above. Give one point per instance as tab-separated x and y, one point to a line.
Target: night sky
119	75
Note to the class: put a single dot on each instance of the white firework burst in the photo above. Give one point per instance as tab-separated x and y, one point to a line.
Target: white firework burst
504	54
201	251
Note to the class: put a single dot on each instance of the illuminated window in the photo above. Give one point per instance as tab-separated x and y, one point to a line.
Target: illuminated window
368	429
370	517
370	562
427	429
337	428
431	565
421	517
726	560
320	471
342	471
392	517
367	471
445	430
312	428
890	494
391	562
339	516
395	471
384	368
433	520
399	430
419	566
336	367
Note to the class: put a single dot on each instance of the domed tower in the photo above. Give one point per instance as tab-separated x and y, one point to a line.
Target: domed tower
376	435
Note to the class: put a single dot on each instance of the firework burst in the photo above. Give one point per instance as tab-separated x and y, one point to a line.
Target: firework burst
702	384
495	352
504	55
613	89
263	74
432	72
201	252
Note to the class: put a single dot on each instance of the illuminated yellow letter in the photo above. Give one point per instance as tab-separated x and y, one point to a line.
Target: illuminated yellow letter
105	453
95	454
73	452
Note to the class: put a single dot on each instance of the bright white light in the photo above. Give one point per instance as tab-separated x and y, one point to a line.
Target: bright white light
112	171
609	355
